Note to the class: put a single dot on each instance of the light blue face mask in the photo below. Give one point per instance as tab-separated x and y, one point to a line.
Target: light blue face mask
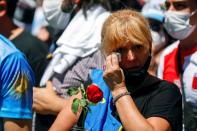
177	24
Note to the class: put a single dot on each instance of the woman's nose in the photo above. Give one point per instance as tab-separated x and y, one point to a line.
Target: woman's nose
130	55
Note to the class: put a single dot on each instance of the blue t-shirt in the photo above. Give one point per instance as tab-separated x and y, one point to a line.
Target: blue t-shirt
16	83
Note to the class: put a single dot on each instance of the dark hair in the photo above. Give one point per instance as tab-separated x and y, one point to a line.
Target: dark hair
124	4
11	6
86	4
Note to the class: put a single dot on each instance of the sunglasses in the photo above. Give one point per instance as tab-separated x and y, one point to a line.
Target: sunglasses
178	5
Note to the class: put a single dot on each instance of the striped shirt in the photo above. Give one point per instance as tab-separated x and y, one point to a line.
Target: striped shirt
78	73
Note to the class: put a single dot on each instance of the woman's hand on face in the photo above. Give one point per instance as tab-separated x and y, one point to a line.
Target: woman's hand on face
113	74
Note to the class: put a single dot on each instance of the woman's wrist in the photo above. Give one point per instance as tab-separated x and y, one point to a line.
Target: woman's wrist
116	98
118	91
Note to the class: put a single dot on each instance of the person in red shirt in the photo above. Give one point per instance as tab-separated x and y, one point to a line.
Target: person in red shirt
178	63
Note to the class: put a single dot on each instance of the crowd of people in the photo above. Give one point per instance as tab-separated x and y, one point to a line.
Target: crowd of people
142	55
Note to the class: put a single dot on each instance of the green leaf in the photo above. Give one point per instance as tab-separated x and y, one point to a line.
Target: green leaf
73	91
83	102
75	105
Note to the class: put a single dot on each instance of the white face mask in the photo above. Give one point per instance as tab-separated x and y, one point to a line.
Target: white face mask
177	24
54	14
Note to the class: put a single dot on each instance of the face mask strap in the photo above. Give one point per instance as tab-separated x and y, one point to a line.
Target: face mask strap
193	18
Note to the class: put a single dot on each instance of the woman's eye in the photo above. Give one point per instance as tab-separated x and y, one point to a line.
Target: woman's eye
137	47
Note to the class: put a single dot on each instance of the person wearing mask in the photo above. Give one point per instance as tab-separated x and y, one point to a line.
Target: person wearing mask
82	22
178	61
16	83
134	99
153	12
73	44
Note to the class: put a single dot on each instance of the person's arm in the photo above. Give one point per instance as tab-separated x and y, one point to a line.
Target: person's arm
129	115
132	119
17	124
16	92
46	100
66	119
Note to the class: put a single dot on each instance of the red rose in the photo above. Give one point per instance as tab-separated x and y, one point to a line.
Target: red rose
94	93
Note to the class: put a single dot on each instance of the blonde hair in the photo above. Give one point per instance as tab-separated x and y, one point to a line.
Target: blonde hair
124	27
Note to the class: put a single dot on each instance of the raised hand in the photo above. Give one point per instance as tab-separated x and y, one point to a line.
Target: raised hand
113	74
